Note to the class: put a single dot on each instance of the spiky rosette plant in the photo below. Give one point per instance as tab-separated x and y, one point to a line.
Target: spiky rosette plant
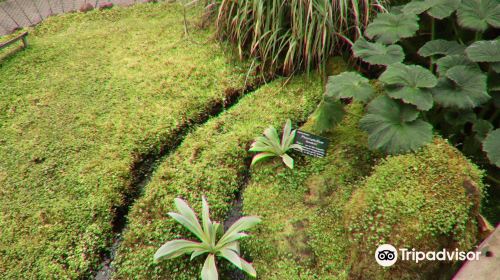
214	242
451	92
269	145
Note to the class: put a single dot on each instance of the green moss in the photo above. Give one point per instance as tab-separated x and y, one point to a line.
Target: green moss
211	161
414	201
324	219
301	236
91	94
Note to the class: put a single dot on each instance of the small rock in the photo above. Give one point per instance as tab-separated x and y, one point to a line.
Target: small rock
105	5
85	7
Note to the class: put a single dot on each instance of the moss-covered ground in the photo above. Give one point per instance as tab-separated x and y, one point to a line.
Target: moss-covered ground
212	161
325	219
91	95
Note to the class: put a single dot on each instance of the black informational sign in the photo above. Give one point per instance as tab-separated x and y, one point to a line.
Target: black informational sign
312	145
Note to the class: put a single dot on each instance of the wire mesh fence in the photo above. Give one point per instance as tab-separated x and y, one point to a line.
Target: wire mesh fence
15	14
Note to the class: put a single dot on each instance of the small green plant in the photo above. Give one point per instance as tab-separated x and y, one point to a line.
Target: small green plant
227	246
450	83
270	145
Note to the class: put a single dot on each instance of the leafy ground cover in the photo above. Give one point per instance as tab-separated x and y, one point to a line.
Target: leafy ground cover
213	161
92	95
325	219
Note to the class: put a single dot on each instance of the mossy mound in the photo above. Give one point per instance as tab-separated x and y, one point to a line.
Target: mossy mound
427	200
211	161
302	235
324	219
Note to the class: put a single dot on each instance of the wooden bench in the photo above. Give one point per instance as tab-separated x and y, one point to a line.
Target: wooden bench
15	39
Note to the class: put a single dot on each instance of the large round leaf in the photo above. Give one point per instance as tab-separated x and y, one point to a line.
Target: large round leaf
447	62
442	8
436	8
484	51
393	127
349	85
491	146
410	83
377	53
441	46
328	114
478	14
388	28
461	88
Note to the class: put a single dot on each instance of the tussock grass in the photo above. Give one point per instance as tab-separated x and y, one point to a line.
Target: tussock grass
293	35
211	161
91	94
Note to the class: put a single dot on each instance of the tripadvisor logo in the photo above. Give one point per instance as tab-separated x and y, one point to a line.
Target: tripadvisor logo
387	255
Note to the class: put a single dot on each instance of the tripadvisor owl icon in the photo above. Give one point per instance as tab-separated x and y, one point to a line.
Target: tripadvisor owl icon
386	255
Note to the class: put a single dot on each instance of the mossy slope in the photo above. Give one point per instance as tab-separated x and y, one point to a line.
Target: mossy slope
324	219
211	161
91	95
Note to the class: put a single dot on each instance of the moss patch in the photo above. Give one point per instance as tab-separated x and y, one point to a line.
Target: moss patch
91	95
211	161
428	201
325	219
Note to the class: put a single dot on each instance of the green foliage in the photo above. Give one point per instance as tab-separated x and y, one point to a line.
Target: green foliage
349	85
291	35
410	83
227	246
479	14
491	146
459	81
269	145
377	53
91	96
388	28
393	127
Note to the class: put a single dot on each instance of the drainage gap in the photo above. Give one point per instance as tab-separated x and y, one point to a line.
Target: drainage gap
145	165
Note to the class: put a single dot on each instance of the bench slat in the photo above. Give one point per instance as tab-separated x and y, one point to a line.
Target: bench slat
15	39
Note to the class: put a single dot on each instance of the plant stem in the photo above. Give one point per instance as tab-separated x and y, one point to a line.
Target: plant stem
433	36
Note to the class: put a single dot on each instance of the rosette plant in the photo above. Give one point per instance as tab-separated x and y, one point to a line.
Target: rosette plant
213	241
449	83
269	145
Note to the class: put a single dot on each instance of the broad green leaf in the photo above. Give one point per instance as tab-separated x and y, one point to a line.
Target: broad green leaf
416	7
262	144
478	14
389	28
287	160
442	8
185	210
327	115
377	53
462	88
349	85
441	46
482	128
232	257
205	216
410	84
198	252
447	62
285	138
261	156
393	127
209	271
484	51
175	248
193	227
491	145
273	137
248	268
240	225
